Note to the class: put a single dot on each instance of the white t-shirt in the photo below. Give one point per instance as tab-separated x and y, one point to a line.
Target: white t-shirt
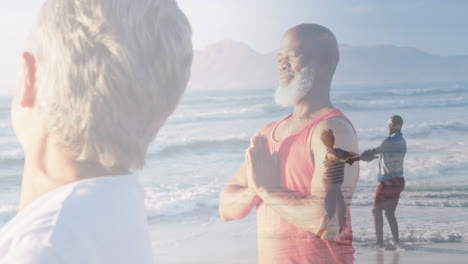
95	221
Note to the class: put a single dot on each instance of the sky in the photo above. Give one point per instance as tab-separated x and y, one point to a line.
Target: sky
435	26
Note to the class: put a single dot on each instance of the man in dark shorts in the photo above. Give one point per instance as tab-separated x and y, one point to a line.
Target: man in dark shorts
391	154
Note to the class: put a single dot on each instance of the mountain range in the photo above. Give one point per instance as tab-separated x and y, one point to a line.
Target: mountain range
234	65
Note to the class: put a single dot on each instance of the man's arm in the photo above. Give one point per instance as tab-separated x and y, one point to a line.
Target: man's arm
371	154
237	199
306	211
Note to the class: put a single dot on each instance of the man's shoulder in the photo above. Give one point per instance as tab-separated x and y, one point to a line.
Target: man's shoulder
343	130
35	222
31	253
81	216
339	125
395	138
264	130
78	207
26	239
393	144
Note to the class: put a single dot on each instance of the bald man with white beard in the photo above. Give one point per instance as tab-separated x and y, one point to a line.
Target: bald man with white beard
284	169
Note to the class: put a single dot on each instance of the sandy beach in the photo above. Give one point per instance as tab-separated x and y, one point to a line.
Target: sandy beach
215	249
453	253
235	242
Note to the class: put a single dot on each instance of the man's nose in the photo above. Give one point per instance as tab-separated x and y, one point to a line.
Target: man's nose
284	64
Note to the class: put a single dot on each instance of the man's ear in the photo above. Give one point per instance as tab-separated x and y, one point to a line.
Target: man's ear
28	91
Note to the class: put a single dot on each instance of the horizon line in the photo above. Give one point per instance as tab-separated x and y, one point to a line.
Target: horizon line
339	44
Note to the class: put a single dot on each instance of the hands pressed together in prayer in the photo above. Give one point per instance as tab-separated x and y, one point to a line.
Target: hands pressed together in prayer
263	170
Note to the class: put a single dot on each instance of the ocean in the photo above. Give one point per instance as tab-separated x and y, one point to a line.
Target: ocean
203	144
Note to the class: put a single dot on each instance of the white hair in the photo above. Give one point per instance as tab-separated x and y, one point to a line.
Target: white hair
297	88
109	73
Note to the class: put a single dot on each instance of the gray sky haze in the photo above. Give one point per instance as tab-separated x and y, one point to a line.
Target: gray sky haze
434	26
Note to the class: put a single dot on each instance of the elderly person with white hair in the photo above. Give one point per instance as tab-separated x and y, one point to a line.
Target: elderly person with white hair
99	79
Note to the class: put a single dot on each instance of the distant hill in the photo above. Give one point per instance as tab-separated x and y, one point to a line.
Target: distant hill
234	65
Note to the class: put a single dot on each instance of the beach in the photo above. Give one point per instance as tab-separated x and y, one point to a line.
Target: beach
235	242
215	241
203	144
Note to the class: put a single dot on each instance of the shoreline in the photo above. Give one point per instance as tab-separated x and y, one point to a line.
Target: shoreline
206	239
434	253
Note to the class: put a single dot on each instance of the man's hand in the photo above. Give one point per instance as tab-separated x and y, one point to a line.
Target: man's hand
263	173
350	160
368	155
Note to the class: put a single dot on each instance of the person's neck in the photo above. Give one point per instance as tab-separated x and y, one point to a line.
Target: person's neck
314	104
48	166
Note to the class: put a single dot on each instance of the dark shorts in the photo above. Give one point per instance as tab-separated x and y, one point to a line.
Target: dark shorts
388	192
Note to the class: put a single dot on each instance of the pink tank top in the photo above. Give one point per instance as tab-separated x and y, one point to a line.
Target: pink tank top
280	242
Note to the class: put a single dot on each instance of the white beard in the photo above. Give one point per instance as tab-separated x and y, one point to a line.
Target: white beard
297	88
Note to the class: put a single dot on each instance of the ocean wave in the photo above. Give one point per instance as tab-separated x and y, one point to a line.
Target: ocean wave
435	203
205	100
240	142
384	93
366	237
446	203
420	91
428	128
202	144
6	213
233	99
436	189
167	201
180	199
437	168
8	209
420	130
4	109
5	123
425	196
258	110
363	105
436	195
11	155
447	166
